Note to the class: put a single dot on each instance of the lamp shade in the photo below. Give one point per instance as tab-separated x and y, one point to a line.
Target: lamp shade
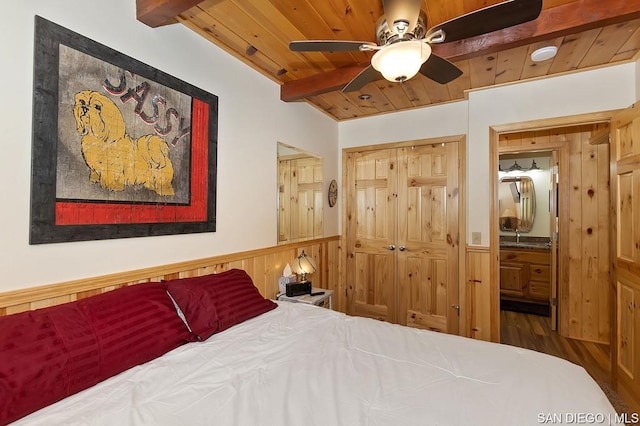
303	265
507	213
402	60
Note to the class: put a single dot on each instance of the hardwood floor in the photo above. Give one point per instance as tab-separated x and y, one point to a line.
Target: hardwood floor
534	332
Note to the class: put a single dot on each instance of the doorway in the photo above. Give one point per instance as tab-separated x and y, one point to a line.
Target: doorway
582	274
528	227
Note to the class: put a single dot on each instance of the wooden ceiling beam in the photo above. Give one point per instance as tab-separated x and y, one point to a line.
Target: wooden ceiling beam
318	84
558	21
156	13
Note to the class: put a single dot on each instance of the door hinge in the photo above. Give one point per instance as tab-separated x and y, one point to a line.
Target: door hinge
554	301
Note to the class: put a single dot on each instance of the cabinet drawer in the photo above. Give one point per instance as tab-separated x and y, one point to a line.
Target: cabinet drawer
539	290
539	272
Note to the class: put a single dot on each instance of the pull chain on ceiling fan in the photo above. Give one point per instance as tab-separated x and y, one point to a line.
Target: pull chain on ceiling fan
403	47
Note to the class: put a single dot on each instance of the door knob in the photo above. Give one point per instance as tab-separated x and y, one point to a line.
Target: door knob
391	247
402	248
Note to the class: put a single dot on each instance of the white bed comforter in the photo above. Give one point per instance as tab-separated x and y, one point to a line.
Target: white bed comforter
304	365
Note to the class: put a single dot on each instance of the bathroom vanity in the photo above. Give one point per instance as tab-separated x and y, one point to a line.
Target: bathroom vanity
525	271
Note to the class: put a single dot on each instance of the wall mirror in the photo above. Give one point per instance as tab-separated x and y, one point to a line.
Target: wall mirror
517	203
300	195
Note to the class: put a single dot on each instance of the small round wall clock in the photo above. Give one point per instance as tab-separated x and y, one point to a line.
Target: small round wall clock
333	193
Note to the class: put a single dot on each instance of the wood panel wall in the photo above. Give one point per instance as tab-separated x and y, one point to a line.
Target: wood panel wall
479	296
263	265
584	252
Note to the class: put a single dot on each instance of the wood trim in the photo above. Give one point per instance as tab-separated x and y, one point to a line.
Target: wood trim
467	307
401	144
156	13
550	123
494	238
263	265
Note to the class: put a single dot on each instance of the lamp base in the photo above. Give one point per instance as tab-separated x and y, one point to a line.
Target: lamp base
298	289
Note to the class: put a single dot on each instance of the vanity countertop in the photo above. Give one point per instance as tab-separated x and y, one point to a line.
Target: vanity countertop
531	243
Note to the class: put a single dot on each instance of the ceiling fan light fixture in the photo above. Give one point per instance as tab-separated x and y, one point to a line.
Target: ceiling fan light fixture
401	61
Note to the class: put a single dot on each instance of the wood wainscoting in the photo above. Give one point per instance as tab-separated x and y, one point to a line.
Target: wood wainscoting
480	296
263	265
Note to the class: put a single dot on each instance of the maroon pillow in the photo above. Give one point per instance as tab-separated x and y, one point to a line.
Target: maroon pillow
133	325
45	355
213	303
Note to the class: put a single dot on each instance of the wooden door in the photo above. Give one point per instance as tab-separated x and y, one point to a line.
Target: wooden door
553	231
371	207
428	237
625	179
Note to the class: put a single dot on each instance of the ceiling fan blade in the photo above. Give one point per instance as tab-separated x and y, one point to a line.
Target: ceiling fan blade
328	45
440	70
365	77
401	10
488	19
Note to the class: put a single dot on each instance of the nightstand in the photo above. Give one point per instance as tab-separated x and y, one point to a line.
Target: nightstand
323	300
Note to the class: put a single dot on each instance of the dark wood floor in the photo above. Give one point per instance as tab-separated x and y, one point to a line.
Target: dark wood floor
534	332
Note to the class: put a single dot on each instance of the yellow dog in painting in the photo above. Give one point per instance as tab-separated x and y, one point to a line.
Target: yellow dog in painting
114	158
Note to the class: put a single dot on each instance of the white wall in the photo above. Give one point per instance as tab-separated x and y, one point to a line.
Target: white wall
251	121
579	93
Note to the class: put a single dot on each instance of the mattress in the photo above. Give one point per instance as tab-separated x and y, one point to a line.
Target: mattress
301	364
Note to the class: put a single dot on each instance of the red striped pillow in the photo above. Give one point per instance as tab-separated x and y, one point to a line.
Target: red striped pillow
133	325
213	303
45	355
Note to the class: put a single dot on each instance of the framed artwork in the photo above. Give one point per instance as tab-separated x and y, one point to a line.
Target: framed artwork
119	149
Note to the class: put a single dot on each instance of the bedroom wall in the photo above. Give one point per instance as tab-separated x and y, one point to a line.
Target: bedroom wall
251	122
578	93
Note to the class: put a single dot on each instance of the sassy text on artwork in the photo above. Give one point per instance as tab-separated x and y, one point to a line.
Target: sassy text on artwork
139	95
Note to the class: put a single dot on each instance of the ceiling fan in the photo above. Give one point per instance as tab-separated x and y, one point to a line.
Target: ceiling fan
404	43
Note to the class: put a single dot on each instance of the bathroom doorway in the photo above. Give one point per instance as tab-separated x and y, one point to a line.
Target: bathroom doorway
528	226
580	151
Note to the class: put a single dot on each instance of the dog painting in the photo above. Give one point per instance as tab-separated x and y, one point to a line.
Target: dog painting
115	159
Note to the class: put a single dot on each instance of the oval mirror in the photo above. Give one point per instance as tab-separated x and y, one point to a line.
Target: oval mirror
517	203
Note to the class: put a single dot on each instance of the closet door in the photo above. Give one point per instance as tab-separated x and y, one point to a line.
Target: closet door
371	234
428	237
625	170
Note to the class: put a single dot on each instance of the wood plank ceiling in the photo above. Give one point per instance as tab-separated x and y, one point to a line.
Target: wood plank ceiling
588	33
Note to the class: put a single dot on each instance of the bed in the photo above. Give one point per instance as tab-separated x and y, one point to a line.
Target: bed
301	364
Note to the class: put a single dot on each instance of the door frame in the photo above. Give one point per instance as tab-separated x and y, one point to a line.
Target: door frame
494	239
462	210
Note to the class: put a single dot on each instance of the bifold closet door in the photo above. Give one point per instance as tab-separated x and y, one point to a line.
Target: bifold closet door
428	237
371	207
402	235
